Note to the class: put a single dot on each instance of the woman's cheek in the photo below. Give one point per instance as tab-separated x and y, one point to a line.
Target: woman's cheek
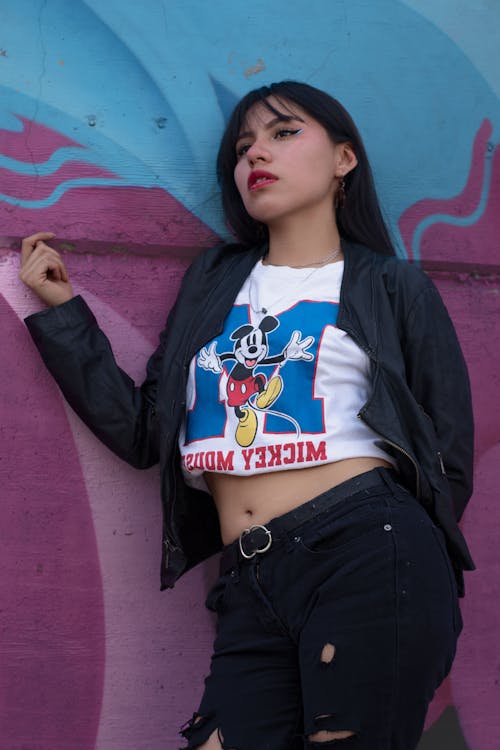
240	181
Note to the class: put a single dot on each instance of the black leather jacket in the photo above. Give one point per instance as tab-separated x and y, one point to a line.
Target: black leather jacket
420	403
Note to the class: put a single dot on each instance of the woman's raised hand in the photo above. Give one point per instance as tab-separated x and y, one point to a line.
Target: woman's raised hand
43	270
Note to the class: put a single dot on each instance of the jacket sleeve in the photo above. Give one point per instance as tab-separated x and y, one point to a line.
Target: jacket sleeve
438	377
79	356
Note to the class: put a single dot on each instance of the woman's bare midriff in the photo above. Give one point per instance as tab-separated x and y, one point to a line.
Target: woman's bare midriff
246	501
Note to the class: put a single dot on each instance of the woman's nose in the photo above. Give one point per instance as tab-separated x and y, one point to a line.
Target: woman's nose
258	152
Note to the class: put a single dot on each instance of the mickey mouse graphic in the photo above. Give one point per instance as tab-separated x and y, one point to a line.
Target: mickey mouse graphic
251	349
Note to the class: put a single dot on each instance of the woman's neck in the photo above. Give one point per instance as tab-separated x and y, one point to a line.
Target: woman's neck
294	243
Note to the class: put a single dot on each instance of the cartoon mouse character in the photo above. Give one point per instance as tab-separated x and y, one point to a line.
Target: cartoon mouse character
251	349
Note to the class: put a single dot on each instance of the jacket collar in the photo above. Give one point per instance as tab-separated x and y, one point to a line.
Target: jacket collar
357	310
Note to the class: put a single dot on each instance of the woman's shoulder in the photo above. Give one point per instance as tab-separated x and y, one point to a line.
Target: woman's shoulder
227	264
222	255
394	272
405	286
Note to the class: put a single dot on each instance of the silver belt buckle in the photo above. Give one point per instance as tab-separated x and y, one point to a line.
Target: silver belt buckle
257	551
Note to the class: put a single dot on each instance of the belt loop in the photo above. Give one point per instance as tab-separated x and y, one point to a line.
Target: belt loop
387	477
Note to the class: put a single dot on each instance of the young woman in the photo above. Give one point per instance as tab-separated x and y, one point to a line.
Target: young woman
310	408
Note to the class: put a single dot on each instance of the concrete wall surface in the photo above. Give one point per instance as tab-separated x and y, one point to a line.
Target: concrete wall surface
110	115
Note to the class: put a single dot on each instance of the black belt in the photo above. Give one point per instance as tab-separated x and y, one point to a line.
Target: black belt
259	538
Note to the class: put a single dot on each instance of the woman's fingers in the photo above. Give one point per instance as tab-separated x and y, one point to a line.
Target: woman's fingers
30	243
43	259
43	270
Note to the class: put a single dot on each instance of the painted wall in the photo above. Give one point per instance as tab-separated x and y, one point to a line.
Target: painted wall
110	115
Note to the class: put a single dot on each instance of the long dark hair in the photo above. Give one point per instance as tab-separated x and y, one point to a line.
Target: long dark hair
359	220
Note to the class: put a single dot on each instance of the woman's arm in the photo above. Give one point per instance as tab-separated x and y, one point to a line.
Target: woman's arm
79	356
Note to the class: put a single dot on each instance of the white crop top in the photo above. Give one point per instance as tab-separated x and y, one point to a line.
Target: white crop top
281	386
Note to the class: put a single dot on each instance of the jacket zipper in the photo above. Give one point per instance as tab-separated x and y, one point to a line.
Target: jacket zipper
371	356
405	453
443	470
401	450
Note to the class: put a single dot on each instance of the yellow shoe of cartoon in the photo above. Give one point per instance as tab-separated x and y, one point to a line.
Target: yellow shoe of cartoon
269	396
247	428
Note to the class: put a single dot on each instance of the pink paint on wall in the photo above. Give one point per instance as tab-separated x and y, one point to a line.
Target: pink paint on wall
156	646
33	138
93	222
36	187
474	239
99	218
474	243
476	685
466	235
51	615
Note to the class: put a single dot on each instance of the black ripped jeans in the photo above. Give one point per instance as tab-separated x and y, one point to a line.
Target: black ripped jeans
368	578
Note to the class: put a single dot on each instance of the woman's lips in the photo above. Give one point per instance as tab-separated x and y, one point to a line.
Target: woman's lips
259	178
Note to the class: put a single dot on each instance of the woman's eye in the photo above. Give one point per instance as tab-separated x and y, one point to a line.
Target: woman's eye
286	132
281	134
241	150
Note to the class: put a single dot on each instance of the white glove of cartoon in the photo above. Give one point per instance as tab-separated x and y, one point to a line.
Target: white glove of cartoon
296	349
208	359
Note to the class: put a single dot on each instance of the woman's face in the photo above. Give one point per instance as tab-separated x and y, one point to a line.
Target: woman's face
288	164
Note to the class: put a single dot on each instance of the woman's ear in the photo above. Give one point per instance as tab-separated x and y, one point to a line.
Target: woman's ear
347	158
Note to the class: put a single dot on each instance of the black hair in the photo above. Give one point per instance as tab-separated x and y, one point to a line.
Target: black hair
359	219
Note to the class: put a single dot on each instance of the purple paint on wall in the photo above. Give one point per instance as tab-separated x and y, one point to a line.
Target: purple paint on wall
130	278
116	217
466	236
20	144
51	615
473	240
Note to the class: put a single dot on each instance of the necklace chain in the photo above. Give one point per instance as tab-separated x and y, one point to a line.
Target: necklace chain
319	263
331	256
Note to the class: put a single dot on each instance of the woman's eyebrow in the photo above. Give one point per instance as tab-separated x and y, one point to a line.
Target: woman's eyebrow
271	124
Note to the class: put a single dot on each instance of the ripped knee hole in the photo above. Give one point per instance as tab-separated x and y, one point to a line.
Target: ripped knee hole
327	653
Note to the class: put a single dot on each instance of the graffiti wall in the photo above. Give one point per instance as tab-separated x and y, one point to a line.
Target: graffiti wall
110	115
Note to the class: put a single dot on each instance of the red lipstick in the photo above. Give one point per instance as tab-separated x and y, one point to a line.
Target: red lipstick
259	178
